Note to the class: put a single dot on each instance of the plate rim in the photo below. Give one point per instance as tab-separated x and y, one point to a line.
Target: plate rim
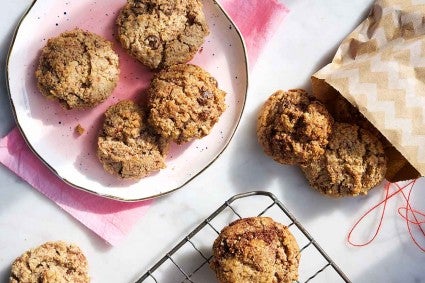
108	196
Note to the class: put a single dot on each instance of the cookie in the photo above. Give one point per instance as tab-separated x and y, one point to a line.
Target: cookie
51	262
345	112
78	68
353	163
255	250
161	33
293	127
184	102
127	146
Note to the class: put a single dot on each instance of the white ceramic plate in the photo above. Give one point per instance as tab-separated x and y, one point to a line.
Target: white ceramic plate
49	129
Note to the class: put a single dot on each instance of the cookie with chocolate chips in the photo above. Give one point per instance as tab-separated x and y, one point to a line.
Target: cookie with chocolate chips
353	163
293	127
184	102
161	33
51	262
255	250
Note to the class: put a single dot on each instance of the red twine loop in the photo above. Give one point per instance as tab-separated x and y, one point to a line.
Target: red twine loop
411	216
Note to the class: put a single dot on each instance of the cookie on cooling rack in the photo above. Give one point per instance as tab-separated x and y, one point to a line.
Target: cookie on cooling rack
161	33
293	127
184	102
78	68
353	163
127	146
51	262
255	250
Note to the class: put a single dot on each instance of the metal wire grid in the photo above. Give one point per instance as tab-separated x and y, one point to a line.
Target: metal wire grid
194	266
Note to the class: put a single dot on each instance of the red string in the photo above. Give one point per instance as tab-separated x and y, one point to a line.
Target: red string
400	209
407	212
408	208
387	189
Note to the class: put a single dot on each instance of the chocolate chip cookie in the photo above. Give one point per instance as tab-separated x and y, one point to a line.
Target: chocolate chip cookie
78	68
353	163
51	262
255	250
293	127
161	33
127	146
184	102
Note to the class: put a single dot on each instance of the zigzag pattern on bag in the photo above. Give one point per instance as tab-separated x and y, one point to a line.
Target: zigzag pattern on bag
380	69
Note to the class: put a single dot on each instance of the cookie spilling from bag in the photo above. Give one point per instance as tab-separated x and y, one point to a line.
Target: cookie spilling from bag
384	87
77	68
51	262
162	33
255	249
398	167
338	159
353	163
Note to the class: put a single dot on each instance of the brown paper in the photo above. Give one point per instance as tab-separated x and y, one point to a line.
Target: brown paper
380	70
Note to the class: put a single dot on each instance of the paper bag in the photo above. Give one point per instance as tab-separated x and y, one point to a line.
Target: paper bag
380	70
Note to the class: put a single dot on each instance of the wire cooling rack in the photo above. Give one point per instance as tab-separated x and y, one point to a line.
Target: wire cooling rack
189	260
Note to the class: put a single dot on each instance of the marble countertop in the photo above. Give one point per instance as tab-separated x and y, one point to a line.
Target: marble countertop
306	41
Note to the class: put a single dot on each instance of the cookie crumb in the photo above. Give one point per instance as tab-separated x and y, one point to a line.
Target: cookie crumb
79	130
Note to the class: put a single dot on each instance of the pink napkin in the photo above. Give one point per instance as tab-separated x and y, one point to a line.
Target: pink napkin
110	219
256	20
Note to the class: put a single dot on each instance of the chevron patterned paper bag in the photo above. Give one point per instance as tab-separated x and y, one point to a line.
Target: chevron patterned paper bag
380	69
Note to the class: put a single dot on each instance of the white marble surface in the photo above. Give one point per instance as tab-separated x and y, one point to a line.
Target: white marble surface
304	43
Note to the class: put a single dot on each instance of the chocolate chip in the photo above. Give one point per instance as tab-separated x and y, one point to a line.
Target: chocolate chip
150	7
46	67
204	115
153	41
190	18
86	84
205	96
202	101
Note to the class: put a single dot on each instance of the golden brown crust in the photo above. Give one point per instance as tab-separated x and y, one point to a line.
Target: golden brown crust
78	68
52	262
161	33
256	250
184	102
127	146
293	127
354	162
